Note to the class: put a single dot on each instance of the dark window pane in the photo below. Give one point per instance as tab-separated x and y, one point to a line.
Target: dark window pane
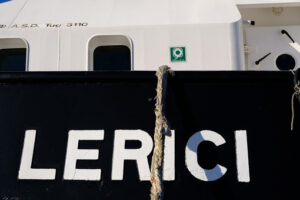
112	58
13	60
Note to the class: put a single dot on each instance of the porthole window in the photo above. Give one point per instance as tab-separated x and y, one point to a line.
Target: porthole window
110	53
285	62
13	54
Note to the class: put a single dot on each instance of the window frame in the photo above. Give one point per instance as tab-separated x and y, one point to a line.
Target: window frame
16	43
108	40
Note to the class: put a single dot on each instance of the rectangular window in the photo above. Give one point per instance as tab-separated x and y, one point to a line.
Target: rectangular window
116	57
110	53
13	60
13	55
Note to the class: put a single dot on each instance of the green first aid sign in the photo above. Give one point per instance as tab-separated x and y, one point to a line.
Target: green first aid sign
177	54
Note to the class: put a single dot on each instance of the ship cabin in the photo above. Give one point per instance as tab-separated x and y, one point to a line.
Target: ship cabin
74	35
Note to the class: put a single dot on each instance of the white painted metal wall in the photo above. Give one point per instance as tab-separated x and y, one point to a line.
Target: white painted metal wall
266	37
58	31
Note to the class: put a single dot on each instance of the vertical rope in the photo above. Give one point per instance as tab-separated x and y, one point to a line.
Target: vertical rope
161	128
296	93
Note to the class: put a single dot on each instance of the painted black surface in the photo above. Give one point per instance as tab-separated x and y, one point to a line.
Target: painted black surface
54	103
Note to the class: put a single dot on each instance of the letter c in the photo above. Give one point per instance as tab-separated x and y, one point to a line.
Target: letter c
191	159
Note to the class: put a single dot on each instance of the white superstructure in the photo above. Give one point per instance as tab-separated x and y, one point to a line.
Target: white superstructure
62	35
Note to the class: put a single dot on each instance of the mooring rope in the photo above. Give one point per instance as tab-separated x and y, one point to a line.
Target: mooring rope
295	94
161	128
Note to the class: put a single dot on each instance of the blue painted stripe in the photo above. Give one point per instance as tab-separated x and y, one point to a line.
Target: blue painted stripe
3	1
